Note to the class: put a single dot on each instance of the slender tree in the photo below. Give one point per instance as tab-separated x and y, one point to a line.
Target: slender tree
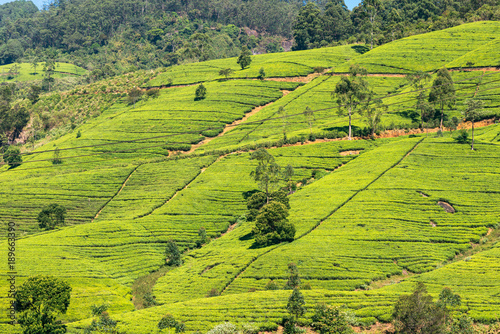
309	113
296	304
267	172
418	80
442	93
351	91
373	112
172	254
472	113
371	9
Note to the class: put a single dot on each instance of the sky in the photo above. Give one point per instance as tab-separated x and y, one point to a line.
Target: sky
349	3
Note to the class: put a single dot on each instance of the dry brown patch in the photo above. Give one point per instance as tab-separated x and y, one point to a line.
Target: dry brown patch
446	206
344	153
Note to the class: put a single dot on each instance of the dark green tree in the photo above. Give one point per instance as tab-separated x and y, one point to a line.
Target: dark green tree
418	81
203	239
296	304
331	319
34	93
267	172
38	301
442	93
172	254
417	313
293	281
337	24
272	225
51	216
308	28
262	74
12	156
245	59
351	91
473	112
226	72
56	159
371	9
200	93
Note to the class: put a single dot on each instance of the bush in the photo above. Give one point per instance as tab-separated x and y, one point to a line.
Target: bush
211	133
272	226
200	93
172	254
213	293
331	319
12	156
272	285
153	93
462	137
51	216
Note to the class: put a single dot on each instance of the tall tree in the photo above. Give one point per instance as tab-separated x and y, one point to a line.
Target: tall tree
308	27
442	92
39	300
472	112
418	81
337	24
296	304
371	9
351	91
272	225
172	254
245	59
267	172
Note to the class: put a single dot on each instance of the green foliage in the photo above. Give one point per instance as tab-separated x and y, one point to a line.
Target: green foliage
168	321
267	172
34	94
462	325
272	226
226	72
351	91
38	301
462	137
442	92
201	92
245	59
97	310
293	281
51	216
272	285
103	325
172	254
473	112
56	159
331	320
12	156
417	313
134	95
262	74
203	238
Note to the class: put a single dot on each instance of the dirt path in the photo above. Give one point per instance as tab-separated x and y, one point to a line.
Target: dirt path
232	125
117	193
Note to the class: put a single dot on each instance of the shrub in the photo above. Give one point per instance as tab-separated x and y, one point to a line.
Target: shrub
272	285
213	293
172	254
12	156
51	216
78	134
153	93
262	74
331	319
200	93
272	226
211	133
462	137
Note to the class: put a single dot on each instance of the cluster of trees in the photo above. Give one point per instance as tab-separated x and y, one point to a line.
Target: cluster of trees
13	117
269	208
376	22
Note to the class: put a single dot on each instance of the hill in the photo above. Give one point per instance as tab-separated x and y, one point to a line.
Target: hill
134	174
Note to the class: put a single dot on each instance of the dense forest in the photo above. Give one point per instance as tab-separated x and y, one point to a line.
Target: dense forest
115	36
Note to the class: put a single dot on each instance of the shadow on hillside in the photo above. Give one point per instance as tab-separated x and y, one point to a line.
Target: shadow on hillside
360	48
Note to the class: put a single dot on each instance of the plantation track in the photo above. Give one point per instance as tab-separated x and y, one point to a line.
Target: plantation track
235	123
116	194
177	192
325	218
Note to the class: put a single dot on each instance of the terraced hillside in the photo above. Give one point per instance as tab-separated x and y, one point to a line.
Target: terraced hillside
368	213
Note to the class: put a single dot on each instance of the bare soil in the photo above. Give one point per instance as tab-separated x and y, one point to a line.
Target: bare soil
446	206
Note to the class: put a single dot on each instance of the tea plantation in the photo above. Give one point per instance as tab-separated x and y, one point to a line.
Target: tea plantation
373	216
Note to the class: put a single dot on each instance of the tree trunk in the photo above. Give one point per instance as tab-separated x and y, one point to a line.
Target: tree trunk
441	124
472	145
350	132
